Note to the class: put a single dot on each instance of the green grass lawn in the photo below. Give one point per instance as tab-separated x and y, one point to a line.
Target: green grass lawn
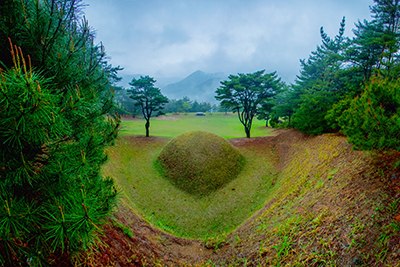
132	164
169	126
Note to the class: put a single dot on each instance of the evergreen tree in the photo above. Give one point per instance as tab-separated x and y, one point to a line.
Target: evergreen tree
386	14
375	47
186	104
364	49
372	121
195	106
281	106
244	93
320	84
147	97
265	111
55	95
373	51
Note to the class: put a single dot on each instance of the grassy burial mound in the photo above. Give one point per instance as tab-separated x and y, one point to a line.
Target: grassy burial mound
175	211
200	162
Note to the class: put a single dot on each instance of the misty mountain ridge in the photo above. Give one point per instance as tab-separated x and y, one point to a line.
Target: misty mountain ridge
160	82
198	86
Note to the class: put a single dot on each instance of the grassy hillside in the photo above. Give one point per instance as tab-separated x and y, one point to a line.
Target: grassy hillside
332	207
314	202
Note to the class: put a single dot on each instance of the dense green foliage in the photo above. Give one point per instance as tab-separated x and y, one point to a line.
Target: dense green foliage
279	108
350	85
319	84
55	95
244	94
200	162
147	97
371	121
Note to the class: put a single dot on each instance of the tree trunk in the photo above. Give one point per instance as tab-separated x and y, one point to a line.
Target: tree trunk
147	127
247	130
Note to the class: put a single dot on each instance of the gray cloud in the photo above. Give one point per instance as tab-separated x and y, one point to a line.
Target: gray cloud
175	38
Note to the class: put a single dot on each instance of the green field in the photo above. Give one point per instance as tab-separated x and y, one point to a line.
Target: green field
170	209
225	125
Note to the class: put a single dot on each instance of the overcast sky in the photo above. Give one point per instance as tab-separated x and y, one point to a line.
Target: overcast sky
173	38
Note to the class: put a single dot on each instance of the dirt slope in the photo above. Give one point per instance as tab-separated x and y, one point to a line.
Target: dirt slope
332	207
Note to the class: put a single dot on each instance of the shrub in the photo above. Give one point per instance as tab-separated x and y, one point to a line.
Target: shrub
372	121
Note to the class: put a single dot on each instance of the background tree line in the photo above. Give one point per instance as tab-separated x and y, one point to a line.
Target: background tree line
125	105
185	105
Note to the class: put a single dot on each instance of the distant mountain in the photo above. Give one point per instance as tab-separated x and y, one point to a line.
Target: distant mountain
198	86
161	82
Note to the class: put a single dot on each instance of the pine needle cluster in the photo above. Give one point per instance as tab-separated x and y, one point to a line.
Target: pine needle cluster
54	98
372	121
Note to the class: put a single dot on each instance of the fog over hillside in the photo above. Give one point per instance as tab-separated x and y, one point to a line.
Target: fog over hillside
198	86
161	82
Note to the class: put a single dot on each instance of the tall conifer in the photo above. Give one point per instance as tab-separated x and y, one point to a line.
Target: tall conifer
54	98
319	84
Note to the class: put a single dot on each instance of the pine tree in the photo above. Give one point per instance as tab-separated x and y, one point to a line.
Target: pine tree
386	14
148	98
373	52
54	98
372	120
320	83
375	47
364	49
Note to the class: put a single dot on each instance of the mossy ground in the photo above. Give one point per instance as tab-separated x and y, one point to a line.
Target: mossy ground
200	162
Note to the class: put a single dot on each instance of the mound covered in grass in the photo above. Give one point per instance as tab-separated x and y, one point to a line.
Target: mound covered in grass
200	162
